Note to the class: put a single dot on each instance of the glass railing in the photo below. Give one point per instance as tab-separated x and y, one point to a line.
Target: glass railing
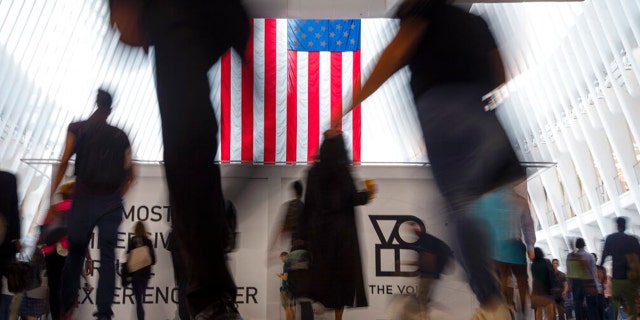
585	205
551	218
567	211
621	184
602	194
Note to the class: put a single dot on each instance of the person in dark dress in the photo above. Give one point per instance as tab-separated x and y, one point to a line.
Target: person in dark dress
454	62
189	36
329	228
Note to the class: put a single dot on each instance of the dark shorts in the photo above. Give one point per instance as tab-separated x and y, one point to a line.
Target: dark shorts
286	299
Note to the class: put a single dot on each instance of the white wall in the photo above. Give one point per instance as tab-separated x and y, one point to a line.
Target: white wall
258	193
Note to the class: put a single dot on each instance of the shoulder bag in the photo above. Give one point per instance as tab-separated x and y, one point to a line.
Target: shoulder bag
139	257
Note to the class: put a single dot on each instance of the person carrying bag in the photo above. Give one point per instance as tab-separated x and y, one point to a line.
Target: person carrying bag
34	302
140	257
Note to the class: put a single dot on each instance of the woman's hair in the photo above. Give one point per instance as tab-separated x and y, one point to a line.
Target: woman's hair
538	253
139	230
334	162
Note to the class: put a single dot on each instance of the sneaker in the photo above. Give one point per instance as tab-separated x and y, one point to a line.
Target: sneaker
501	311
223	309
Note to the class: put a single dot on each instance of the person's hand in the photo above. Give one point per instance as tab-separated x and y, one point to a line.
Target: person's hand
18	245
88	266
332	133
531	254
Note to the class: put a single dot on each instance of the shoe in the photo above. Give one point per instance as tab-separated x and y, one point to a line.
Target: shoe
223	309
101	316
66	315
500	311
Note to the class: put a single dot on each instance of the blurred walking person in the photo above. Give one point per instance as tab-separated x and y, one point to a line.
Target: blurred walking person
624	250
544	279
291	213
140	278
329	227
10	233
581	271
104	172
454	62
189	36
506	214
561	295
434	258
286	298
55	249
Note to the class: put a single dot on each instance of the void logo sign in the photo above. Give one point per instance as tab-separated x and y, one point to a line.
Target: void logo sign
392	243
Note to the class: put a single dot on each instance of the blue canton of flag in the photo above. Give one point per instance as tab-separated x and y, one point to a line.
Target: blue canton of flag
323	35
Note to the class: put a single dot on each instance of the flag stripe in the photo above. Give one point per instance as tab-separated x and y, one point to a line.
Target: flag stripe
356	113
225	107
260	92
325	92
281	93
313	116
270	91
336	88
292	102
236	107
346	79
247	102
302	106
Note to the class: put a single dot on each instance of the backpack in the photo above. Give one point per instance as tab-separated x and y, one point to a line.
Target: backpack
100	157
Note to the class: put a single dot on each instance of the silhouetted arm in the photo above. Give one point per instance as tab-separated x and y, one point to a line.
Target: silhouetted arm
395	56
69	149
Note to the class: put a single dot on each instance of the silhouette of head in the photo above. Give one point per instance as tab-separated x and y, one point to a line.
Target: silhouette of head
333	150
140	230
104	100
621	222
580	243
297	188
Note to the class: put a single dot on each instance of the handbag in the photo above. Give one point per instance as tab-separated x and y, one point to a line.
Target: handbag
40	292
139	258
25	274
19	276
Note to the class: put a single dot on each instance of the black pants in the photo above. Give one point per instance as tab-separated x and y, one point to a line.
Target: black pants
54	263
190	133
179	274
139	285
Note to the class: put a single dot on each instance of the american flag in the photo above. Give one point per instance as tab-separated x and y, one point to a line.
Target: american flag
274	107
